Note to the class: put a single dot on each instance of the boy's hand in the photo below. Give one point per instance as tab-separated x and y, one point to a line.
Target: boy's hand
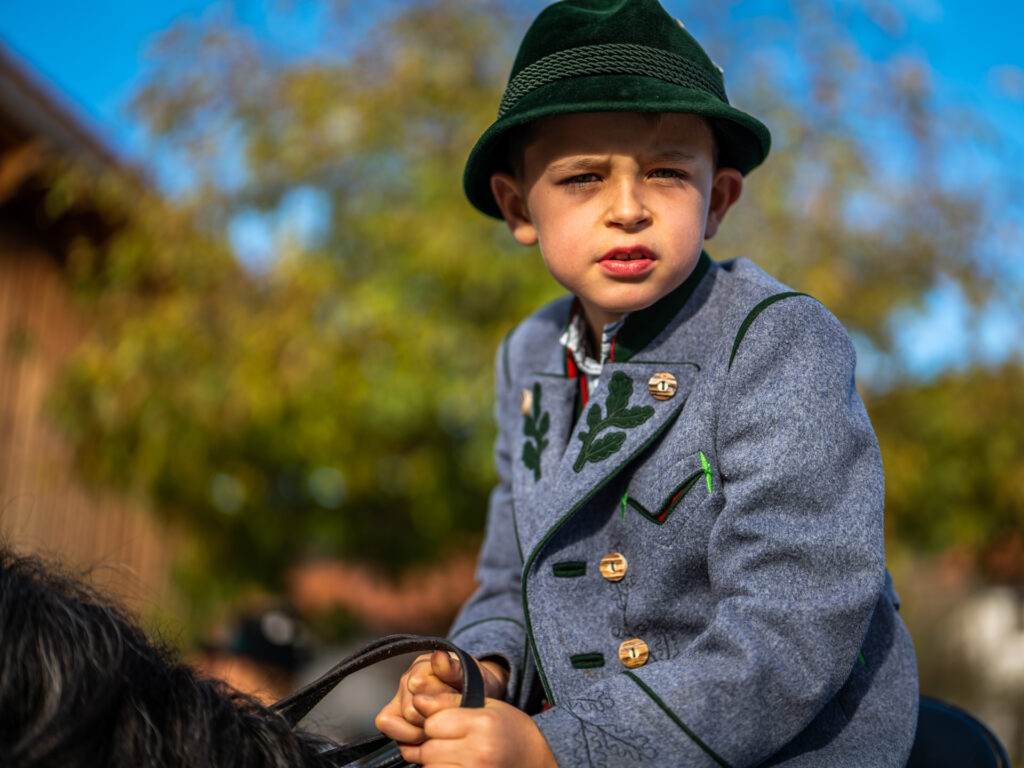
496	736
433	682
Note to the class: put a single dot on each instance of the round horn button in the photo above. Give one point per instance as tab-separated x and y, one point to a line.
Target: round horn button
633	653
613	566
662	386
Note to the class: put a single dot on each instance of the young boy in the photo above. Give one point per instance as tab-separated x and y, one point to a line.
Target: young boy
684	561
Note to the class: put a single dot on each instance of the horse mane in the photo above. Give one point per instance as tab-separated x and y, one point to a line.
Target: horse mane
81	685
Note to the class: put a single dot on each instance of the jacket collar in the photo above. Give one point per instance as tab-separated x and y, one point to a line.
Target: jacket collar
643	325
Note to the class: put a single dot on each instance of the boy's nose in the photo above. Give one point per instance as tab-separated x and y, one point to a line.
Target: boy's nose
626	207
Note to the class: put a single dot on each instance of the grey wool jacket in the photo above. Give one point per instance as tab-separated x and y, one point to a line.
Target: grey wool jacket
697	577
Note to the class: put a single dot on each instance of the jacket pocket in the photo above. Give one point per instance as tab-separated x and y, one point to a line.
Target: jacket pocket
663	496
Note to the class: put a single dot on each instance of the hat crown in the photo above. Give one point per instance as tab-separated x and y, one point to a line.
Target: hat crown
573	24
610	56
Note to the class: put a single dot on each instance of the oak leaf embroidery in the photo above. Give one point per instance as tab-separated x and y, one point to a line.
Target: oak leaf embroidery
595	449
535	426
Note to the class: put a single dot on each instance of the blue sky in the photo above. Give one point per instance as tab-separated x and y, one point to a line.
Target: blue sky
94	53
94	56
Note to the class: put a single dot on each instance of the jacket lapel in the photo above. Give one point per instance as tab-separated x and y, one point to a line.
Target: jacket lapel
621	420
548	403
567	464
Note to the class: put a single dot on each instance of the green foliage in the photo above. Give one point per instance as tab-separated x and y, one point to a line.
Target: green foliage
954	458
339	401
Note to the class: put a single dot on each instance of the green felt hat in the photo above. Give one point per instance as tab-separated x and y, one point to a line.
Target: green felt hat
611	56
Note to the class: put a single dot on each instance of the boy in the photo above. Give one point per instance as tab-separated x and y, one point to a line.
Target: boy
684	560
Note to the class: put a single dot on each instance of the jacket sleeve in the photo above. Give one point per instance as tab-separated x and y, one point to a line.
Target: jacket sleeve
491	622
795	566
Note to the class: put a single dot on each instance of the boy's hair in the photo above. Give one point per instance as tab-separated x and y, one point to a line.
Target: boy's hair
609	56
81	685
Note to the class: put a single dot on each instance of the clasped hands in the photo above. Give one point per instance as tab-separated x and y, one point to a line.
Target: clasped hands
432	729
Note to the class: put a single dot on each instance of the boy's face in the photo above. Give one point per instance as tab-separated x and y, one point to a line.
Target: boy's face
620	204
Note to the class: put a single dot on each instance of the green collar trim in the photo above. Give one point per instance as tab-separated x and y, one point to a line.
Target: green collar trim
641	327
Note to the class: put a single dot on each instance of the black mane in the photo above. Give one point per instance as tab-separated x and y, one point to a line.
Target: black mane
81	685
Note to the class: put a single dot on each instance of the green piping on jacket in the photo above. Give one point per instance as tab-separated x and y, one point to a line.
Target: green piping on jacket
557	526
675	719
752	316
677	496
515	530
505	365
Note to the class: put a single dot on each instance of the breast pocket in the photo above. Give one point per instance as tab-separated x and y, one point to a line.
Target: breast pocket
662	498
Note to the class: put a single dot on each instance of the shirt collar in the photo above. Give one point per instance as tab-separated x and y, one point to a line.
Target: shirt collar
574	340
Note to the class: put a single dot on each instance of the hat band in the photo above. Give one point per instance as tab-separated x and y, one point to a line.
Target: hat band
609	59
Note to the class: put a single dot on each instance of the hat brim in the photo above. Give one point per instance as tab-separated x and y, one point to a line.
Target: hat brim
743	140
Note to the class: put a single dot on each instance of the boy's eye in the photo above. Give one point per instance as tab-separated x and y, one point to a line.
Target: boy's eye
582	178
668	173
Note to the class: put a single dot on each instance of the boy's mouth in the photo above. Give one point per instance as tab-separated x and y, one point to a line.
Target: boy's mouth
627	262
628	254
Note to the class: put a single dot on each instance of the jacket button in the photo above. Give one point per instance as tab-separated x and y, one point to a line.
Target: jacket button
613	566
633	653
662	386
526	402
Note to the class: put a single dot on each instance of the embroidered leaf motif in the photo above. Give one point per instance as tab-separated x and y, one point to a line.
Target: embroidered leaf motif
530	456
632	418
606	446
535	426
603	739
620	389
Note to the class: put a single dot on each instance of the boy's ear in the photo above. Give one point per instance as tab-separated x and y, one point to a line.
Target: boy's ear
508	193
726	187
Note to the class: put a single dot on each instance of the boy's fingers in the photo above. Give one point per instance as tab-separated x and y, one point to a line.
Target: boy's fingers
411	753
429	705
393	724
410	713
447	669
452	723
423	677
404	733
442	753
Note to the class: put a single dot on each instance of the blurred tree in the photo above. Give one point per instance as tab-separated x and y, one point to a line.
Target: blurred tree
954	465
337	402
337	398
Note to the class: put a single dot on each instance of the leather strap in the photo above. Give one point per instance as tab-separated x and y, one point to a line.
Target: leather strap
296	706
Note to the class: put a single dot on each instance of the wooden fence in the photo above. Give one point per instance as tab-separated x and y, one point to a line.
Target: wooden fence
43	508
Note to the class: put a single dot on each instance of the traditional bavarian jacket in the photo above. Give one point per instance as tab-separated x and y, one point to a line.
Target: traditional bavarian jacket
691	563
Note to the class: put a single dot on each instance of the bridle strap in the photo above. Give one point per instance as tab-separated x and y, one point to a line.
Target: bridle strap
297	705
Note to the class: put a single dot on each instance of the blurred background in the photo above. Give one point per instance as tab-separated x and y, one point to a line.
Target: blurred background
247	320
